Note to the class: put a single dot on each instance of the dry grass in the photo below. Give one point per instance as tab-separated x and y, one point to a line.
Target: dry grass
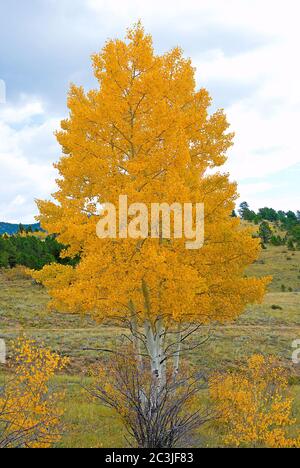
268	329
282	264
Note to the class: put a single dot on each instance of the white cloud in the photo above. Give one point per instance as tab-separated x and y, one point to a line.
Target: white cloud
26	110
270	16
250	189
2	92
266	121
26	154
18	200
265	143
246	52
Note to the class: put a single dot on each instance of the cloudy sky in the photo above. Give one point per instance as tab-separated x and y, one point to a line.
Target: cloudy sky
246	53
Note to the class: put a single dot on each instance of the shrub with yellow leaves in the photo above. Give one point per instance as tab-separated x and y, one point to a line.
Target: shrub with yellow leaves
254	405
30	413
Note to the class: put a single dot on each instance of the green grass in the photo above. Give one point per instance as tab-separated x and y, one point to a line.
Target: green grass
89	424
92	426
261	329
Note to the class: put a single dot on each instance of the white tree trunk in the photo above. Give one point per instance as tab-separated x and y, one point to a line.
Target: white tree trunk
155	341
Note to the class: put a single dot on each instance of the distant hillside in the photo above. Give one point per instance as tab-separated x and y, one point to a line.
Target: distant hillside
10	229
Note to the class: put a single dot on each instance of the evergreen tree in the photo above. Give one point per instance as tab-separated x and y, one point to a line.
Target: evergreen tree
245	212
265	232
21	229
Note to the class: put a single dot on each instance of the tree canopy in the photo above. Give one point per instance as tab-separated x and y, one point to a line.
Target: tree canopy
146	132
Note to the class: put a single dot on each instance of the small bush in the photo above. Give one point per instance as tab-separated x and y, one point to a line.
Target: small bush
255	405
30	412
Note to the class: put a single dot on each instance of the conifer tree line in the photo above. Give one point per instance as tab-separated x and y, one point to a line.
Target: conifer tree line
269	220
29	250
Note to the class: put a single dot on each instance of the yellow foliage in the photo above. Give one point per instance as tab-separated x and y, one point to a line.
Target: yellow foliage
254	405
29	413
146	132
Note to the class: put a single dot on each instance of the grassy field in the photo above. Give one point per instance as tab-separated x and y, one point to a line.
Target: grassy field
269	329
